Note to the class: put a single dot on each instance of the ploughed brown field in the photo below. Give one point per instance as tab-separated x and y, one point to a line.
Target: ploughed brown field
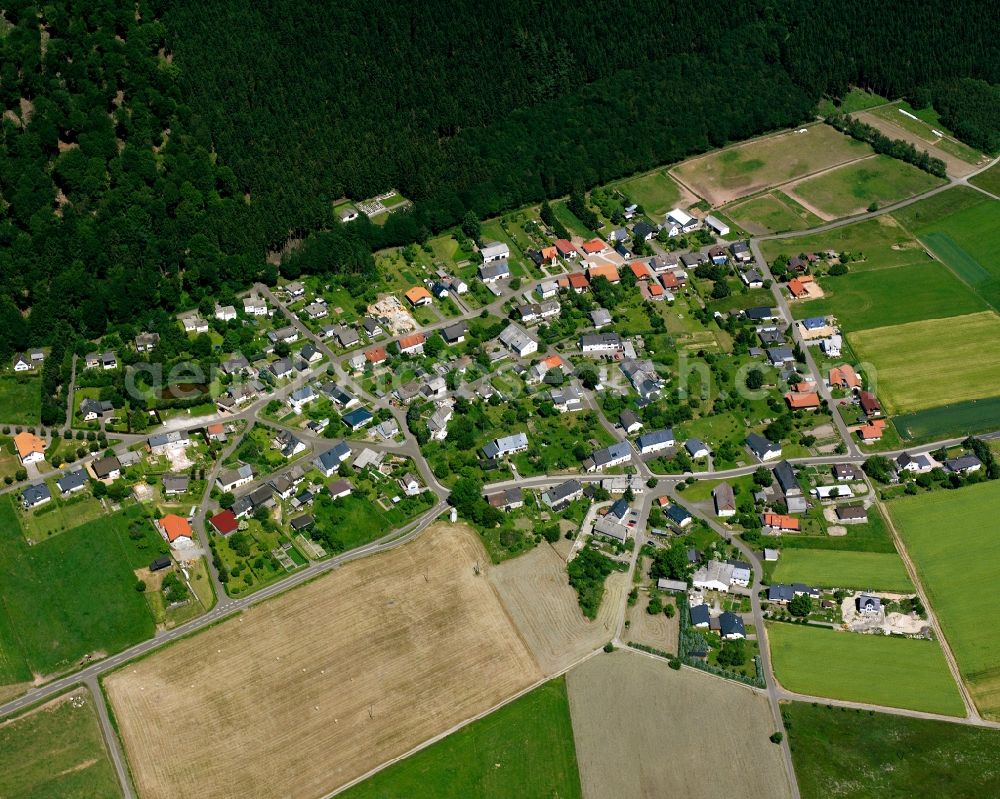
308	691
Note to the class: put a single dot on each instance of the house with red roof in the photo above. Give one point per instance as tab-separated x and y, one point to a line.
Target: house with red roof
413	344
640	270
566	248
594	247
576	281
802	400
225	522
872	431
376	355
870	404
844	376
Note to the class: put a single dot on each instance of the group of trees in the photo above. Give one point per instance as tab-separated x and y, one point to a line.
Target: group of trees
153	153
895	148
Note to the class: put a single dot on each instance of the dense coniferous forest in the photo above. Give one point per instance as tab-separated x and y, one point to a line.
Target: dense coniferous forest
153	151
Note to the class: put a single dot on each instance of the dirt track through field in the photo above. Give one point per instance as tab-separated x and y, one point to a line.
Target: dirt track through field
308	691
954	166
536	592
643	730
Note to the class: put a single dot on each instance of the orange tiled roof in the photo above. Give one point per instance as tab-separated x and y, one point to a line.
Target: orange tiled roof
417	293
175	527
603	270
411	341
781	521
593	246
640	270
376	354
27	444
802	399
844	375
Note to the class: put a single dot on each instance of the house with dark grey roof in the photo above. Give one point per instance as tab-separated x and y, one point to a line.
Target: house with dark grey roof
630	422
678	515
724	499
697	448
700	616
329	461
35	495
655	441
868	605
852	514
608	457
563	494
964	464
175	484
731	626
764	450
71	482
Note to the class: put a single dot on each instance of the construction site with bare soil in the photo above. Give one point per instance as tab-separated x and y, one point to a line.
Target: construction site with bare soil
313	689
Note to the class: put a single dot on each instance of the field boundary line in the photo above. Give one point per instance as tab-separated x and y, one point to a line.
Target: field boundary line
970	707
455	728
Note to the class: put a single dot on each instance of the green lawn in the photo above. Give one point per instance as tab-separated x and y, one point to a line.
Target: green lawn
58	515
880	243
963	230
72	594
924	126
988	180
524	749
20	399
851	188
932	363
863	755
875	669
881	571
57	751
656	192
951	536
871	537
570	220
865	299
772	213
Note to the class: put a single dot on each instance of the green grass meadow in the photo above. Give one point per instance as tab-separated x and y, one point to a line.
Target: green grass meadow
988	180
524	749
772	213
57	751
962	227
70	595
952	538
851	188
881	242
880	571
847	754
656	192
864	299
874	669
20	399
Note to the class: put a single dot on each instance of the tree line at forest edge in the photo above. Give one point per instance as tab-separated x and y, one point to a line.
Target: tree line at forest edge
153	152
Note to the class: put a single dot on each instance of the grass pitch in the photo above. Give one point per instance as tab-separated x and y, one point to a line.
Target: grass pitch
851	188
842	754
56	750
881	571
735	172
875	669
933	363
523	749
954	545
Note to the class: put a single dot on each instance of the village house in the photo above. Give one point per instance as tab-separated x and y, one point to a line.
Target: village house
517	340
609	457
724	499
696	448
231	479
329	461
763	449
412	344
418	296
563	494
494	271
30	448
255	306
713	576
678	222
193	323
601	343
507	500
655	441
494	251
225	313
507	445
35	495
174	528
630	422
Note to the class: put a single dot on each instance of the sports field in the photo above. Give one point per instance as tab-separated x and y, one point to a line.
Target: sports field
879	243
923	127
932	363
20	399
656	192
874	669
951	536
56	750
735	172
879	571
949	421
851	188
864	755
523	749
70	595
771	213
310	690
865	299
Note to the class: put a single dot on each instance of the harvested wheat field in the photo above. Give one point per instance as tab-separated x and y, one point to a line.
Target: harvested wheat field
643	730
536	592
310	690
656	631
